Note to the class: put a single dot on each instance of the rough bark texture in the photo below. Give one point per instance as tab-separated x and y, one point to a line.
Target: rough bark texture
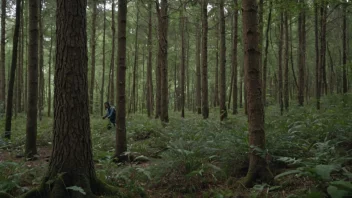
31	127
93	46
216	87
317	58
198	70
223	110
150	95
205	105
323	17
234	58
2	56
301	54
344	50
265	63
111	89
103	62
162	59
257	165
49	72
9	103
121	142
133	101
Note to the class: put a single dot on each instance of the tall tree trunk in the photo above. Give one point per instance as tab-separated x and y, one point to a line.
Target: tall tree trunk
198	70
135	65
41	61
103	61
301	53
31	127
205	105
111	87
265	63
323	16
317	59
121	142
223	110
162	57
257	165
216	88
2	56
281	43
332	73
150	95
234	58
49	72
13	71
93	46
286	55
158	82
344	50
183	59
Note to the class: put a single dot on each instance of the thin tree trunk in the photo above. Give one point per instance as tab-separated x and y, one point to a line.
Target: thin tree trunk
323	85
41	62
111	88
103	61
183	57
286	55
2	57
150	95
281	43
13	71
234	58
223	110
317	59
49	72
121	142
265	64
31	127
344	50
93	46
198	70
301	56
216	88
135	65
205	105
258	167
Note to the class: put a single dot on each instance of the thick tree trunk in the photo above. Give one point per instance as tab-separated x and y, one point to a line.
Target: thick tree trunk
103	62
223	110
257	165
121	142
265	64
13	71
150	95
2	56
234	58
162	57
31	127
93	46
198	70
205	105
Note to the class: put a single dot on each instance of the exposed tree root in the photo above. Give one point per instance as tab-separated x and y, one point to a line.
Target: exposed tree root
261	173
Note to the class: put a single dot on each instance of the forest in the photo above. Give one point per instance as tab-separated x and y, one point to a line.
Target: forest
176	98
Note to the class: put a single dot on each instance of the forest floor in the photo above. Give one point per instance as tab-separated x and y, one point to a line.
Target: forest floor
309	152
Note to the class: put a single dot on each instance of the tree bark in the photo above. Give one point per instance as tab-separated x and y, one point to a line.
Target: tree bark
344	50
286	57
223	110
13	71
281	43
31	127
2	56
257	165
121	142
216	87
111	89
323	84
301	53
162	57
183	59
317	59
135	65
49	72
198	70
205	105
41	62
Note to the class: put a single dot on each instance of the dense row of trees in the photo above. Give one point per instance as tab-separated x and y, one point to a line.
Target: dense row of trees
192	36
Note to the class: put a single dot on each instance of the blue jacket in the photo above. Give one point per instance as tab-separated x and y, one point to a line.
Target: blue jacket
111	114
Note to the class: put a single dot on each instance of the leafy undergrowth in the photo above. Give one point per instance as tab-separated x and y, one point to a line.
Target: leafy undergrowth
309	151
